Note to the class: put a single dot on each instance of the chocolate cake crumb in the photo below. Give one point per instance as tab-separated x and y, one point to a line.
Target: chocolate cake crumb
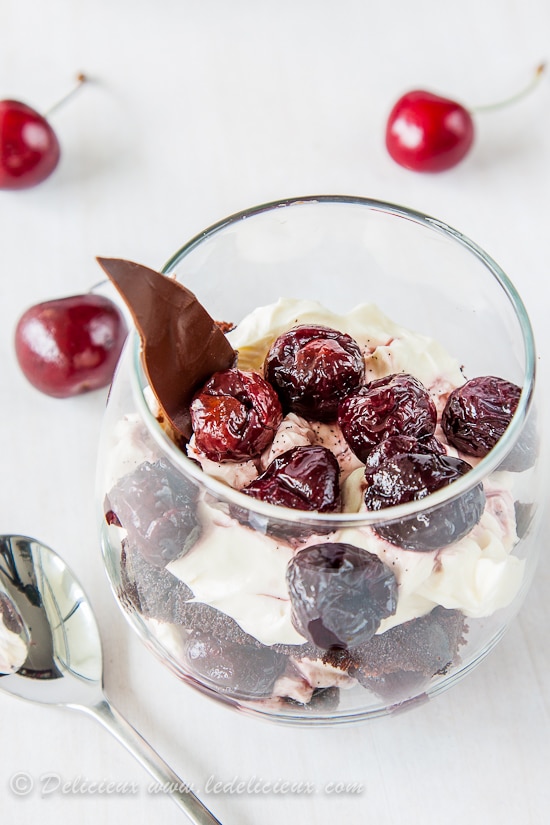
153	591
225	326
158	594
427	646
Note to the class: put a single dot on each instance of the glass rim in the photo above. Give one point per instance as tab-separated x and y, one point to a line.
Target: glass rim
342	520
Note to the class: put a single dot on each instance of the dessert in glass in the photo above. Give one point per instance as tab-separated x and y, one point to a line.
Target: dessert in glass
319	473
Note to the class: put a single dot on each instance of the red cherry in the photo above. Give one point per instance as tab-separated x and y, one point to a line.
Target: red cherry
29	148
70	345
428	133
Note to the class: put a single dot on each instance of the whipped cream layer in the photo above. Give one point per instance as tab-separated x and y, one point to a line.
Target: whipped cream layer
242	573
476	575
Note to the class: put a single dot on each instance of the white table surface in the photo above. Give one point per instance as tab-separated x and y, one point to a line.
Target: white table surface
197	110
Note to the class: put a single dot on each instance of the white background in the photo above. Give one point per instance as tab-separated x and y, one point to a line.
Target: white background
197	110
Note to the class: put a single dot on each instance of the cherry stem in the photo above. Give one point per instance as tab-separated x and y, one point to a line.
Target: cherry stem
539	71
80	79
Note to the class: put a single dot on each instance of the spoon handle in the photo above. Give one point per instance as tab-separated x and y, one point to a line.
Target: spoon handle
128	736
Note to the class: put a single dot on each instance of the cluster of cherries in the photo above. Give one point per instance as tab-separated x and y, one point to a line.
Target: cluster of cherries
318	373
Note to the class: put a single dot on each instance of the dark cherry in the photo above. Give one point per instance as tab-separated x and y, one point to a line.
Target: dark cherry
70	345
157	508
339	594
240	670
477	414
395	444
235	415
313	368
414	476
303	478
151	590
397	404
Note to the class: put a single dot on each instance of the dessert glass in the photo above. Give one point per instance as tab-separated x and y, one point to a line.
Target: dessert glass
424	275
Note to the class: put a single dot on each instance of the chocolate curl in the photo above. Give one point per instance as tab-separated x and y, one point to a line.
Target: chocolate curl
182	346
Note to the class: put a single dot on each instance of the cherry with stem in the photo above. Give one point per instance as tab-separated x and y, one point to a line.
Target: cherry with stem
426	132
29	148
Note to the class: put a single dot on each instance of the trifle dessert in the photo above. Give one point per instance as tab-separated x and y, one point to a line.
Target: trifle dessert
294	512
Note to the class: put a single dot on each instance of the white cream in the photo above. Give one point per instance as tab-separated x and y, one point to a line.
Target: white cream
236	474
13	650
293	431
294	687
242	573
171	637
321	674
476	575
297	432
131	447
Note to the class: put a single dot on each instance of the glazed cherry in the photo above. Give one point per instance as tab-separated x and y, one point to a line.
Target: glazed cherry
235	416
397	404
409	477
339	594
303	478
477	414
29	148
313	368
430	133
70	345
396	444
156	506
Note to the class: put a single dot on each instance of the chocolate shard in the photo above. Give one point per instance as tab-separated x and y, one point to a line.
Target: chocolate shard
181	344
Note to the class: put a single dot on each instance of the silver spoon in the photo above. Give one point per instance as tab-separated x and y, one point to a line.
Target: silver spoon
54	620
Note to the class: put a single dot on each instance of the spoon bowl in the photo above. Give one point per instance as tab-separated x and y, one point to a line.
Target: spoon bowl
64	664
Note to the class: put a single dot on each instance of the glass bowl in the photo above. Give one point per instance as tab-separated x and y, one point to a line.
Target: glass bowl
221	616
